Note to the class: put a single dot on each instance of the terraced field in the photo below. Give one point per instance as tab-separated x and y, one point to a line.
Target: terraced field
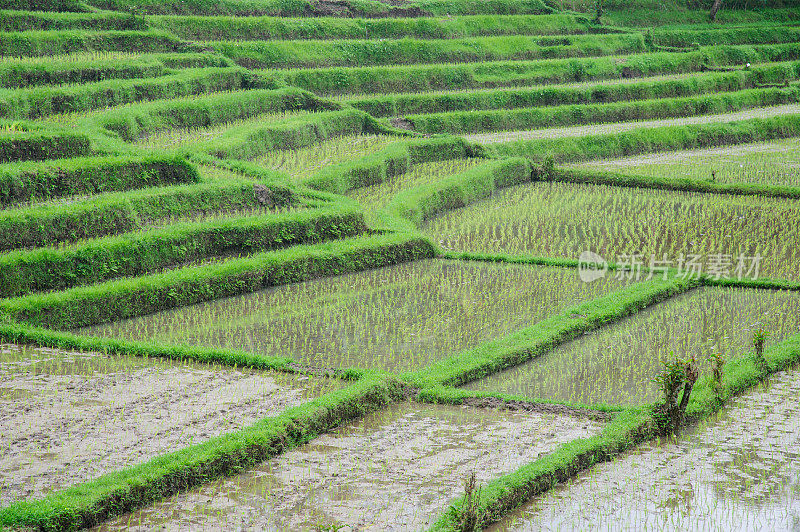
325	264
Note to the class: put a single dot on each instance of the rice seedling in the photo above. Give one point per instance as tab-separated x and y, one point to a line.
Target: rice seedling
563	220
396	468
397	318
774	163
617	364
131	431
304	162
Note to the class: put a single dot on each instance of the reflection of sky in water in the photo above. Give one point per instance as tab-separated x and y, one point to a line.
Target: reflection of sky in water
739	471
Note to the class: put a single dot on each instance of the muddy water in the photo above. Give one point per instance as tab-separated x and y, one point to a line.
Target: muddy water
396	469
739	471
67	417
617	363
396	318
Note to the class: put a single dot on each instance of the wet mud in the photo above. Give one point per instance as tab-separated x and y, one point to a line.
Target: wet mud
396	469
68	417
740	470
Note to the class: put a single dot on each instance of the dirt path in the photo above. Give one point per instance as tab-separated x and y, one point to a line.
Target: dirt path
69	417
739	471
396	469
619	127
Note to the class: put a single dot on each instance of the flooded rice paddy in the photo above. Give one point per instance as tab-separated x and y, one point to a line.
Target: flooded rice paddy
737	471
616	364
563	220
613	128
396	469
303	163
396	318
768	163
174	138
68	417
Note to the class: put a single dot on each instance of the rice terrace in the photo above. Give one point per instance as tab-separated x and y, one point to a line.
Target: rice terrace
366	265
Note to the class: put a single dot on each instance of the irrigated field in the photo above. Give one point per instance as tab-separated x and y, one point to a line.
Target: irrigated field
310	264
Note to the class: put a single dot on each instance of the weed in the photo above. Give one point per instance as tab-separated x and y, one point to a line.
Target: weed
676	380
472	502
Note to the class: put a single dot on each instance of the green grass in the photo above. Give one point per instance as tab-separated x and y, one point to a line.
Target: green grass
39	181
46	43
44	101
463	122
279	226
329	28
25	73
674	86
125	298
488	74
313	54
139	253
118	212
649	140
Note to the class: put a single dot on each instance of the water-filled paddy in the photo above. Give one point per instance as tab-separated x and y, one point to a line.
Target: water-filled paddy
396	318
739	471
563	220
616	364
68	417
772	163
395	469
303	163
174	138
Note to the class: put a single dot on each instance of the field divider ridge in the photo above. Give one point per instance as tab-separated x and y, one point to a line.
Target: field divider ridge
139	253
119	212
599	177
604	91
494	74
531	342
468	122
648	140
125	298
90	503
40	181
626	430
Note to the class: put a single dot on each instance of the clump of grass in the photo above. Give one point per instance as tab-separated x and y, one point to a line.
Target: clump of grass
676	379
759	337
472	501
717	361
